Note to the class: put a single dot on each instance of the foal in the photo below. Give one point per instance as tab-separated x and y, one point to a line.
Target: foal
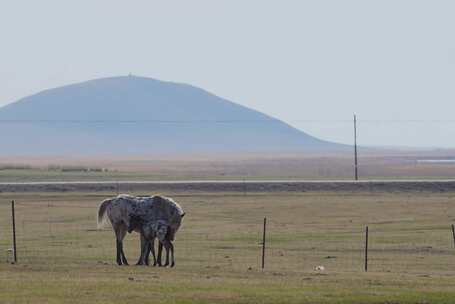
149	231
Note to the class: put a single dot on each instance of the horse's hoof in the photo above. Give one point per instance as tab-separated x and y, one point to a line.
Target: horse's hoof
172	265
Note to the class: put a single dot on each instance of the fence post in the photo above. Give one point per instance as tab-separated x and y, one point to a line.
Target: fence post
263	243
453	234
13	216
366	249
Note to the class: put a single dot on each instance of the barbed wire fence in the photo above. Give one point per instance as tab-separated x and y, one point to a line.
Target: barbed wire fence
65	233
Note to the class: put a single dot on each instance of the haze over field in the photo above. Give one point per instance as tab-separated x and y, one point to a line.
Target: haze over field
240	114
311	64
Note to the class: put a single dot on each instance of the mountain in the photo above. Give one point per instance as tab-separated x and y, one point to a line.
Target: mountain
123	115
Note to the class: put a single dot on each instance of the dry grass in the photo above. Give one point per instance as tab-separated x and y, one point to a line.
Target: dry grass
64	259
372	165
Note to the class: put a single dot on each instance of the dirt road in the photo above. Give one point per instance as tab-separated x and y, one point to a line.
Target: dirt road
232	185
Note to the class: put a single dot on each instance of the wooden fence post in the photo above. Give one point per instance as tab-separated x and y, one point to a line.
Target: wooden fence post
453	234
263	243
13	216
366	249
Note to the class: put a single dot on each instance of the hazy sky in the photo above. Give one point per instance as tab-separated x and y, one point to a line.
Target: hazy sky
310	63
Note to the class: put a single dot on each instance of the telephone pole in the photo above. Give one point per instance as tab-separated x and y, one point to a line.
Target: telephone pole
356	174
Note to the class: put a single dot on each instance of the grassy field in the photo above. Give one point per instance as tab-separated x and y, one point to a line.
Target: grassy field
63	258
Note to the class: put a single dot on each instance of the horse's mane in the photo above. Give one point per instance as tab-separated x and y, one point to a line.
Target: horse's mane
173	203
126	196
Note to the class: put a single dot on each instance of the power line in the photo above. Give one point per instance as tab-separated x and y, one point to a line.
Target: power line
222	121
129	121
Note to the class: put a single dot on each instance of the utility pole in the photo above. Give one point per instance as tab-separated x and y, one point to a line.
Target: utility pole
356	175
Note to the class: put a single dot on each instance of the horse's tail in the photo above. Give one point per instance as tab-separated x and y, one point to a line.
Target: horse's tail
102	212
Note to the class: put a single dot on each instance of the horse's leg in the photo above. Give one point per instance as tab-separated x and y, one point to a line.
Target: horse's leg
172	254
121	235
166	246
150	244
152	249
118	245
160	251
147	253
118	242
124	260
142	258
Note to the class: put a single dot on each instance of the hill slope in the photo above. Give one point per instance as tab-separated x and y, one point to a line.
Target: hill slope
131	114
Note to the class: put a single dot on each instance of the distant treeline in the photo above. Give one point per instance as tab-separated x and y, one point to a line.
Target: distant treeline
15	167
75	169
53	168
